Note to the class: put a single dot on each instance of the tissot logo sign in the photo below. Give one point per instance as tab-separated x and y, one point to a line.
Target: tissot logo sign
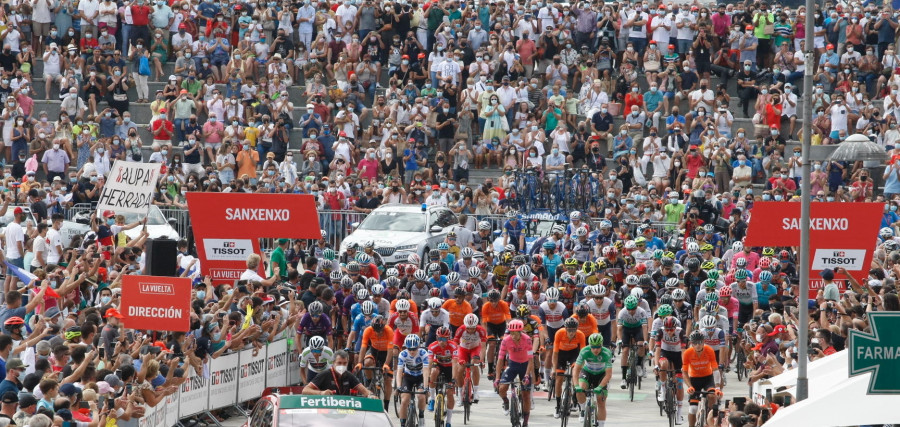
851	259
228	249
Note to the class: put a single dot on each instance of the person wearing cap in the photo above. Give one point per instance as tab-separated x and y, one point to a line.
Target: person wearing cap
11	384
27	405
310	120
747	44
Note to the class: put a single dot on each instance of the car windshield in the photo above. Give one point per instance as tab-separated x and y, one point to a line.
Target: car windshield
330	418
155	217
394	221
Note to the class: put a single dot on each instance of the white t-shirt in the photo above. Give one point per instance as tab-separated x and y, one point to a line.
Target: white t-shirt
54	239
685	33
251	275
661	34
14	233
788	109
839	115
90	9
39	245
639	31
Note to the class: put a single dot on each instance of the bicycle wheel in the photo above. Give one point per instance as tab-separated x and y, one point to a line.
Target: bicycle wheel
701	412
467	400
564	409
514	416
740	368
439	410
670	406
631	374
396	399
589	411
411	413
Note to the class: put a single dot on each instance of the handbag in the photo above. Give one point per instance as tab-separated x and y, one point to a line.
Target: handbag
121	97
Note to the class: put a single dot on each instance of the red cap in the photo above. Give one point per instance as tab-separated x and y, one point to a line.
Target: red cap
829	46
694	8
404	57
749	27
757	346
421	55
662	7
435	187
671	46
162	110
342	133
652	41
108	214
182	25
161	345
114	313
17	210
778	330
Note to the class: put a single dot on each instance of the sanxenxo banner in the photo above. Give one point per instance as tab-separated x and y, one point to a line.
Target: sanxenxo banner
841	235
129	187
227	227
156	302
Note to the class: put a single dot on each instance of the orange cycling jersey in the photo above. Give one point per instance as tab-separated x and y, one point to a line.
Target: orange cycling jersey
700	365
457	311
561	341
380	342
495	314
587	325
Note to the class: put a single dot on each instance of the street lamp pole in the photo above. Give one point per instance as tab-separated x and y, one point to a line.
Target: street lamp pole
803	336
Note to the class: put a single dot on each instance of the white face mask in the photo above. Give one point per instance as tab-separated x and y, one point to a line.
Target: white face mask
759	337
340	369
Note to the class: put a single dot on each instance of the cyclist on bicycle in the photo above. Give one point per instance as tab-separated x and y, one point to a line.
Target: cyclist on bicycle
552	314
419	289
665	343
714	337
432	319
514	231
518	347
745	293
442	352
360	323
632	327
315	323
604	311
377	343
403	322
593	368
698	365
411	364
315	359
533	327
567	342
470	338
494	316
586	323
457	308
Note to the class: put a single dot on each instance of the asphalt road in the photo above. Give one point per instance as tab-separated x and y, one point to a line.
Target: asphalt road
643	411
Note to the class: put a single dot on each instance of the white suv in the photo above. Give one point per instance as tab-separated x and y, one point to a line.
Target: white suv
399	230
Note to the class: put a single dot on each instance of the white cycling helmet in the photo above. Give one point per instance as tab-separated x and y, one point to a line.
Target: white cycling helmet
316	343
402	305
471	320
708	322
434	303
631	280
552	293
637	293
737	246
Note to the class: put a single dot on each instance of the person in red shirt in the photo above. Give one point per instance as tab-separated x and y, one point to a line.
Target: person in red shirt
140	18
633	98
862	188
162	129
694	160
219	28
784	183
773	113
87	44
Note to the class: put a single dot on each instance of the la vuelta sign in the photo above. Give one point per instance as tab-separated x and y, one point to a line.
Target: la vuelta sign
841	235
227	227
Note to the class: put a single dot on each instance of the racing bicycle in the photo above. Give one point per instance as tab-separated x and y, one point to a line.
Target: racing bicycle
668	405
631	375
515	400
375	384
590	406
700	421
440	402
467	392
567	396
738	355
412	413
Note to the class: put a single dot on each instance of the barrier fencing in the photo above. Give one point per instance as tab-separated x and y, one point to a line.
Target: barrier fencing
226	381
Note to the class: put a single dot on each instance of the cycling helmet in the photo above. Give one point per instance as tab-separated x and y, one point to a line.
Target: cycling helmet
371	282
784	254
403	294
548	245
706	248
737	246
316	309
765	276
558	229
347	282
696	337
512	214
402	305
316	343
410	270
434	292
641	229
443	246
353	267
582	310
667	262
587	267
631	302
377	290
658	254
713	274
391	272
580	232
630	245
707	265
392	282
523	311
575	215
14	321
741	262
664	310
571	262
709	228
515	325
453	278
711	307
484	225
363	258
690	240
535	288
693	247
570	323
670	323
434	303
469	287
709	283
493	295
434	268
600	290
725	292
413	259
631	280
467	253
679	295
708	322
362	295
595	340
509	248
523	272
672	283
669	254
741	274
335	276
521	286
367	308
474	272
692	264
637	293
328	254
411	342
768	251
605	224
442	332
645	280
420	275
519	260
459	292
765	263
665	299
471	320
552	294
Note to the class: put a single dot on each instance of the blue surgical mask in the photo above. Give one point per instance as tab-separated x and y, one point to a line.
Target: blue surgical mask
201	294
217	336
105	300
110	221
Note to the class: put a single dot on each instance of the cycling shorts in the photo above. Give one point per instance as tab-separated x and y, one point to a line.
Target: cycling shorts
700	384
674	358
632	334
606	332
445	374
380	356
465	355
592	380
410	382
551	333
564	358
516	370
745	313
496	330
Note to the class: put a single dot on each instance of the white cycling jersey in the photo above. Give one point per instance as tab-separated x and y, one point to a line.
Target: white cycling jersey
309	360
413	362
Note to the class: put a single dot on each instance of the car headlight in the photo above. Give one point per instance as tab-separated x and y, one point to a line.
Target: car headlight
407	247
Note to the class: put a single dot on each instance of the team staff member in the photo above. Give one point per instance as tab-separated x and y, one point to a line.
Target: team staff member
337	380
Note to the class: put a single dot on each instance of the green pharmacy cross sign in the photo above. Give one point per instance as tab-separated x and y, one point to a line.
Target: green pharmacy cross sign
878	352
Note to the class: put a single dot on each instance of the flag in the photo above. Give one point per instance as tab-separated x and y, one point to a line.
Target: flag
22	274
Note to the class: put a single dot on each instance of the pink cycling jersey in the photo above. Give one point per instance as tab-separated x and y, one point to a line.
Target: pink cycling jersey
519	352
732	306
